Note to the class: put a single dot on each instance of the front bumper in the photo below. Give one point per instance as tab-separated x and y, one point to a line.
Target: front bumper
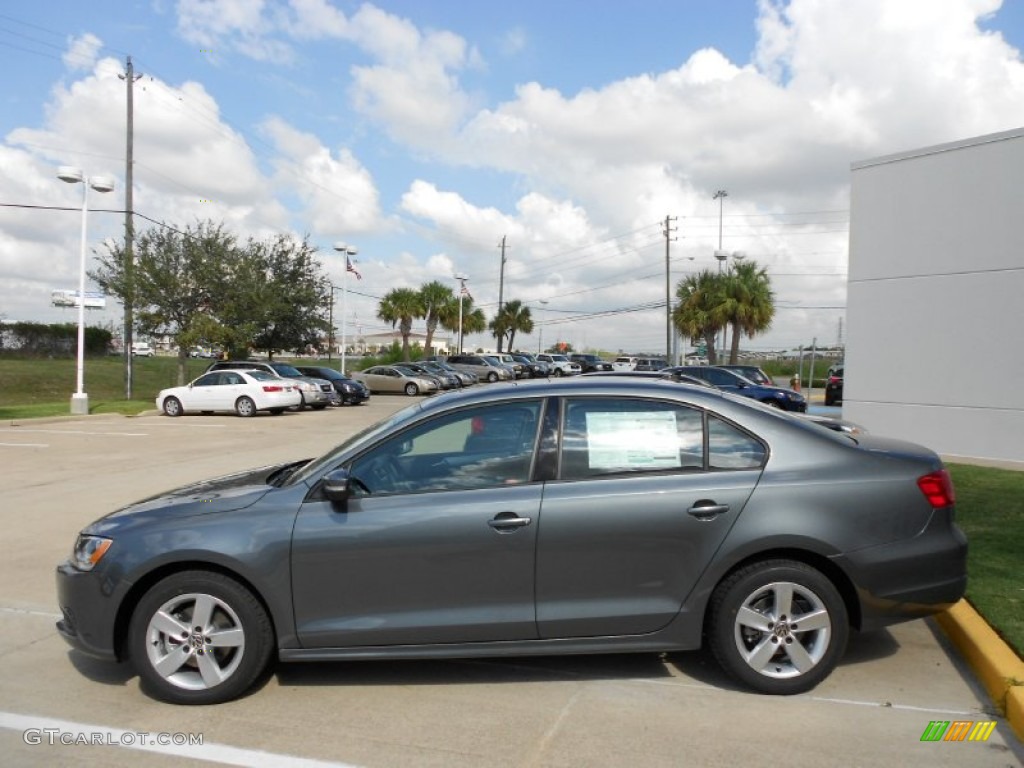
89	609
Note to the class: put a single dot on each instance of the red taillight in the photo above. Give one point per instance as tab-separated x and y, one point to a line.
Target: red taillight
937	487
272	388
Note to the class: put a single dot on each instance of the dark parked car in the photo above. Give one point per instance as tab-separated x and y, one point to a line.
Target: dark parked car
834	387
535	368
350	391
650	364
591	363
730	381
751	372
597	515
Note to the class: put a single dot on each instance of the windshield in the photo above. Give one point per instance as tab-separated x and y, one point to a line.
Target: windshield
560	358
332	457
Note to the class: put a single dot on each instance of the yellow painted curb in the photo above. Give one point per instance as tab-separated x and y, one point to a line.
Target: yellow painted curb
1000	670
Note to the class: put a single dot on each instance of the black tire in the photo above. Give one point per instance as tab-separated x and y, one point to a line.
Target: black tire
228	611
829	399
779	626
411	389
559	373
172	406
492	377
244	406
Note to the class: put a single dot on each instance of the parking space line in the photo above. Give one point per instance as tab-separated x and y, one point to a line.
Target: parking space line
25	445
72	733
23	431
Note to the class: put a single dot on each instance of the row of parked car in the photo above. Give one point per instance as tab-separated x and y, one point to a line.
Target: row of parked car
246	387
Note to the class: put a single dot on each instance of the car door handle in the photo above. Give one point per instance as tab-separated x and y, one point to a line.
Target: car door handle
507	522
707	510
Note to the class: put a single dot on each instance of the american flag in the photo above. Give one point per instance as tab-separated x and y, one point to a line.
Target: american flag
351	268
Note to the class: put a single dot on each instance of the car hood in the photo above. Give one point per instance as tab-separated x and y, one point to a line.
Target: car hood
221	494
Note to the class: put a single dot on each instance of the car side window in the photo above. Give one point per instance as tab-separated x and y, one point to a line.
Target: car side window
603	436
720	378
731	448
207	380
481	447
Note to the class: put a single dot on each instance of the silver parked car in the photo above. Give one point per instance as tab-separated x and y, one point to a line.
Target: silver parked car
596	515
483	368
395	378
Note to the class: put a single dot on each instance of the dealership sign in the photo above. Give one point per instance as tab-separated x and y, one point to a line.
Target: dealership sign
70	299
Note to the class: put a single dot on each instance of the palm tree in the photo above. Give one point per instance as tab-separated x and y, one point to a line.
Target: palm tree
748	303
436	298
400	306
512	319
699	312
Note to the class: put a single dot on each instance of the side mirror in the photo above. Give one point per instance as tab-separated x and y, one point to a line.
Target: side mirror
337	485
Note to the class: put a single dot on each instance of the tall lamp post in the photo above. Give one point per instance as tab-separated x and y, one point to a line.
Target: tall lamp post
80	400
540	327
463	291
346	250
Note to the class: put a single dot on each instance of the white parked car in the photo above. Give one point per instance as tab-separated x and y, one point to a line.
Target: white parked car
624	363
561	365
241	392
142	349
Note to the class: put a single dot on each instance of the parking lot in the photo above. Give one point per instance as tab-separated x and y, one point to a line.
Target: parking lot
644	710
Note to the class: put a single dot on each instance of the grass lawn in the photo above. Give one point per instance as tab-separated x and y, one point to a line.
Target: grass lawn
990	509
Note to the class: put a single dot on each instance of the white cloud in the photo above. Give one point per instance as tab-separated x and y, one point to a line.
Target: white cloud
81	53
338	194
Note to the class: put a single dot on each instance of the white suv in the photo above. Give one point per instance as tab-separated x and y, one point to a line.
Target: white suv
141	349
561	365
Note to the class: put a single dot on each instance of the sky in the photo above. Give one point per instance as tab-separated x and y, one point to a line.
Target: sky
424	133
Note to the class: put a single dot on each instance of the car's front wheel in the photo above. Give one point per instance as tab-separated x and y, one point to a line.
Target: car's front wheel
779	626
172	406
411	389
199	637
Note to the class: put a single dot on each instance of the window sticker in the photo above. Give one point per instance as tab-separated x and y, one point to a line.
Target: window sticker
632	440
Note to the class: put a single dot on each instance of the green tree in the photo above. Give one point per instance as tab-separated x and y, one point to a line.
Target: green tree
512	319
438	301
699	314
278	296
175	282
747	303
400	306
473	319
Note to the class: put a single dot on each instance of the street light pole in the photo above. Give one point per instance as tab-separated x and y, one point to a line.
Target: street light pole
80	400
345	250
540	328
462	292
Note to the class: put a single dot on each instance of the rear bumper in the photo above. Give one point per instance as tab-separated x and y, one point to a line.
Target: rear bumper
909	579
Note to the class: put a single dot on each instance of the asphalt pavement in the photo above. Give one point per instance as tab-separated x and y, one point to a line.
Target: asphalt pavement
58	707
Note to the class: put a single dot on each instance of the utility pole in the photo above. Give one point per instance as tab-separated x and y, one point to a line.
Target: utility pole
667	232
501	287
129	78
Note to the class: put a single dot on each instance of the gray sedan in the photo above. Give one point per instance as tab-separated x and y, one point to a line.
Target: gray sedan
395	378
596	515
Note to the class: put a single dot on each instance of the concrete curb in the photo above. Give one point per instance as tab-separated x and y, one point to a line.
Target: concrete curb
998	668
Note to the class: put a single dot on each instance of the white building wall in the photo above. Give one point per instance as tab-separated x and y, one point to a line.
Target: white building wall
935	309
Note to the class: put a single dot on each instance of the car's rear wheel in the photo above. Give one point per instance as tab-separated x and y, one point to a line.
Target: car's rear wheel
245	406
779	626
199	637
411	389
172	406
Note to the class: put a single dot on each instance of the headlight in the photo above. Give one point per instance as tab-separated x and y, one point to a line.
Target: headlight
89	550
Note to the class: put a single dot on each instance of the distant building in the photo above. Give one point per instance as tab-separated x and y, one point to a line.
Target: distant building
936	298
